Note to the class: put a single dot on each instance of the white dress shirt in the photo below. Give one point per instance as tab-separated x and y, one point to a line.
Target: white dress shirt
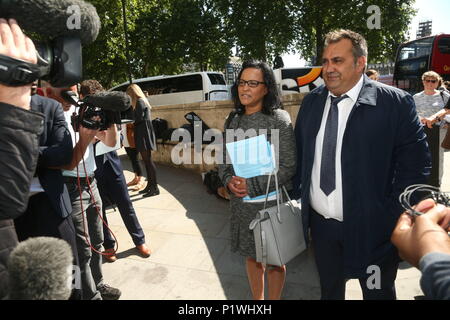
89	159
331	206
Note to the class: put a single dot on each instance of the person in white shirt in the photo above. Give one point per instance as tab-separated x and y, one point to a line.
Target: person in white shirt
355	138
86	201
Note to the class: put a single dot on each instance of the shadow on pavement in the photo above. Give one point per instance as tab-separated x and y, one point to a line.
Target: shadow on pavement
210	255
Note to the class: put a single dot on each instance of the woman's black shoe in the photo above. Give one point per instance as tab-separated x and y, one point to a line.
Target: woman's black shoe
151	193
144	191
147	189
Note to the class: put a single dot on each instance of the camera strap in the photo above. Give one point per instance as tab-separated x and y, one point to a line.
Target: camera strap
16	73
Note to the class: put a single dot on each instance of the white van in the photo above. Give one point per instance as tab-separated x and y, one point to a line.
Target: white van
183	88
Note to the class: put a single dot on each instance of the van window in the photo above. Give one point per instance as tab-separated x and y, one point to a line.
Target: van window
155	86
189	83
216	78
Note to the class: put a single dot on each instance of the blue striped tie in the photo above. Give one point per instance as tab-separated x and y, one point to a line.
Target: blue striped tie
328	163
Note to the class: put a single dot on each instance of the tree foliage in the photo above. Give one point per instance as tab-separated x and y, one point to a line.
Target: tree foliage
174	36
318	17
261	29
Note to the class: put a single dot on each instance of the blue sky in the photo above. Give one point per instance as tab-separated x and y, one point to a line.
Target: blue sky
436	10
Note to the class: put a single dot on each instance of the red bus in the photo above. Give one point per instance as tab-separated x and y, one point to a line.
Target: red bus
418	56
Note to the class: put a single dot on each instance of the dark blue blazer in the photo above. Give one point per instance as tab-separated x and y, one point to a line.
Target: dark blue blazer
113	159
55	150
384	150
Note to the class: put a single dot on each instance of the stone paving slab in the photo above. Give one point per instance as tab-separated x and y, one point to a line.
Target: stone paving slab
188	232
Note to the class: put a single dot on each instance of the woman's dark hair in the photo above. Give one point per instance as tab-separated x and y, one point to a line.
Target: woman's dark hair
271	100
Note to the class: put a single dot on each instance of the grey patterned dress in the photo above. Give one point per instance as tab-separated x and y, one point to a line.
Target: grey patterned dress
243	213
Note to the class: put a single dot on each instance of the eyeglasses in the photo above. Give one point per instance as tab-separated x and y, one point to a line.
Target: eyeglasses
432	81
250	83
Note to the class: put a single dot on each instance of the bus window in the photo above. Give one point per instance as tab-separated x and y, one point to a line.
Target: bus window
444	45
416	49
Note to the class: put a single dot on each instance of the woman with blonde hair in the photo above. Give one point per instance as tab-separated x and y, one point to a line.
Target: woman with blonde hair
432	106
144	136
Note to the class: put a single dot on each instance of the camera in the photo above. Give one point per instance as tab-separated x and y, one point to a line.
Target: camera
99	111
59	62
95	118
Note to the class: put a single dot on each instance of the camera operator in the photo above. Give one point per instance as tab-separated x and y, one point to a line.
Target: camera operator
86	209
113	189
19	144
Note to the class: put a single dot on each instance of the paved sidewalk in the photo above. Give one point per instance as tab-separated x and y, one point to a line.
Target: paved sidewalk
187	230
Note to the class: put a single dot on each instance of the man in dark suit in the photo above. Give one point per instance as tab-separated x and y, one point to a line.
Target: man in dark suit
360	144
49	207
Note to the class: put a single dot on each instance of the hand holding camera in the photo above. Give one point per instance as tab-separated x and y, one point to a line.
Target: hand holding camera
14	44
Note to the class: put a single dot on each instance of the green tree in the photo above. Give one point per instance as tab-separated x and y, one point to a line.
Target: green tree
165	37
105	59
189	34
317	17
261	29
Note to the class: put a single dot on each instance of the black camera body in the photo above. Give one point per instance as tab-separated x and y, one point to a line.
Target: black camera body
59	62
95	118
99	111
62	64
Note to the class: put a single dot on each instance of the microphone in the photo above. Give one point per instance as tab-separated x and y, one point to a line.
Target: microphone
40	269
54	18
113	101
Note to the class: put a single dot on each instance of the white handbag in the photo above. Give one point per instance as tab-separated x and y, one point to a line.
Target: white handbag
278	231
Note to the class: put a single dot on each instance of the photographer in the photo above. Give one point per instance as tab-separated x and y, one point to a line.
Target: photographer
86	209
19	144
113	188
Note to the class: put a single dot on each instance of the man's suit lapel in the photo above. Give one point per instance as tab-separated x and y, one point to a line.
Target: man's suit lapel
35	105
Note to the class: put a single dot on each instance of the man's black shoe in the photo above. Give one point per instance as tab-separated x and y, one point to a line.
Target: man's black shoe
109	293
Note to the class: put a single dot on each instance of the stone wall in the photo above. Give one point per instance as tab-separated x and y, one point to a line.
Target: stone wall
213	113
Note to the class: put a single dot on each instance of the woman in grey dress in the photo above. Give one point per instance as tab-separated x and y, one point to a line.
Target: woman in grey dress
258	107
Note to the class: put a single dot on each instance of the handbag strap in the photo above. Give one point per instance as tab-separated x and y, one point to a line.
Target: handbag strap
278	195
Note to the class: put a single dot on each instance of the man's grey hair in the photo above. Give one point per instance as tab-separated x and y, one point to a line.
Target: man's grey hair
359	44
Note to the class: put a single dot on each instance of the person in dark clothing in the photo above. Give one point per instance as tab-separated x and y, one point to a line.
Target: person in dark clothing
360	144
113	189
20	129
144	136
49	207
